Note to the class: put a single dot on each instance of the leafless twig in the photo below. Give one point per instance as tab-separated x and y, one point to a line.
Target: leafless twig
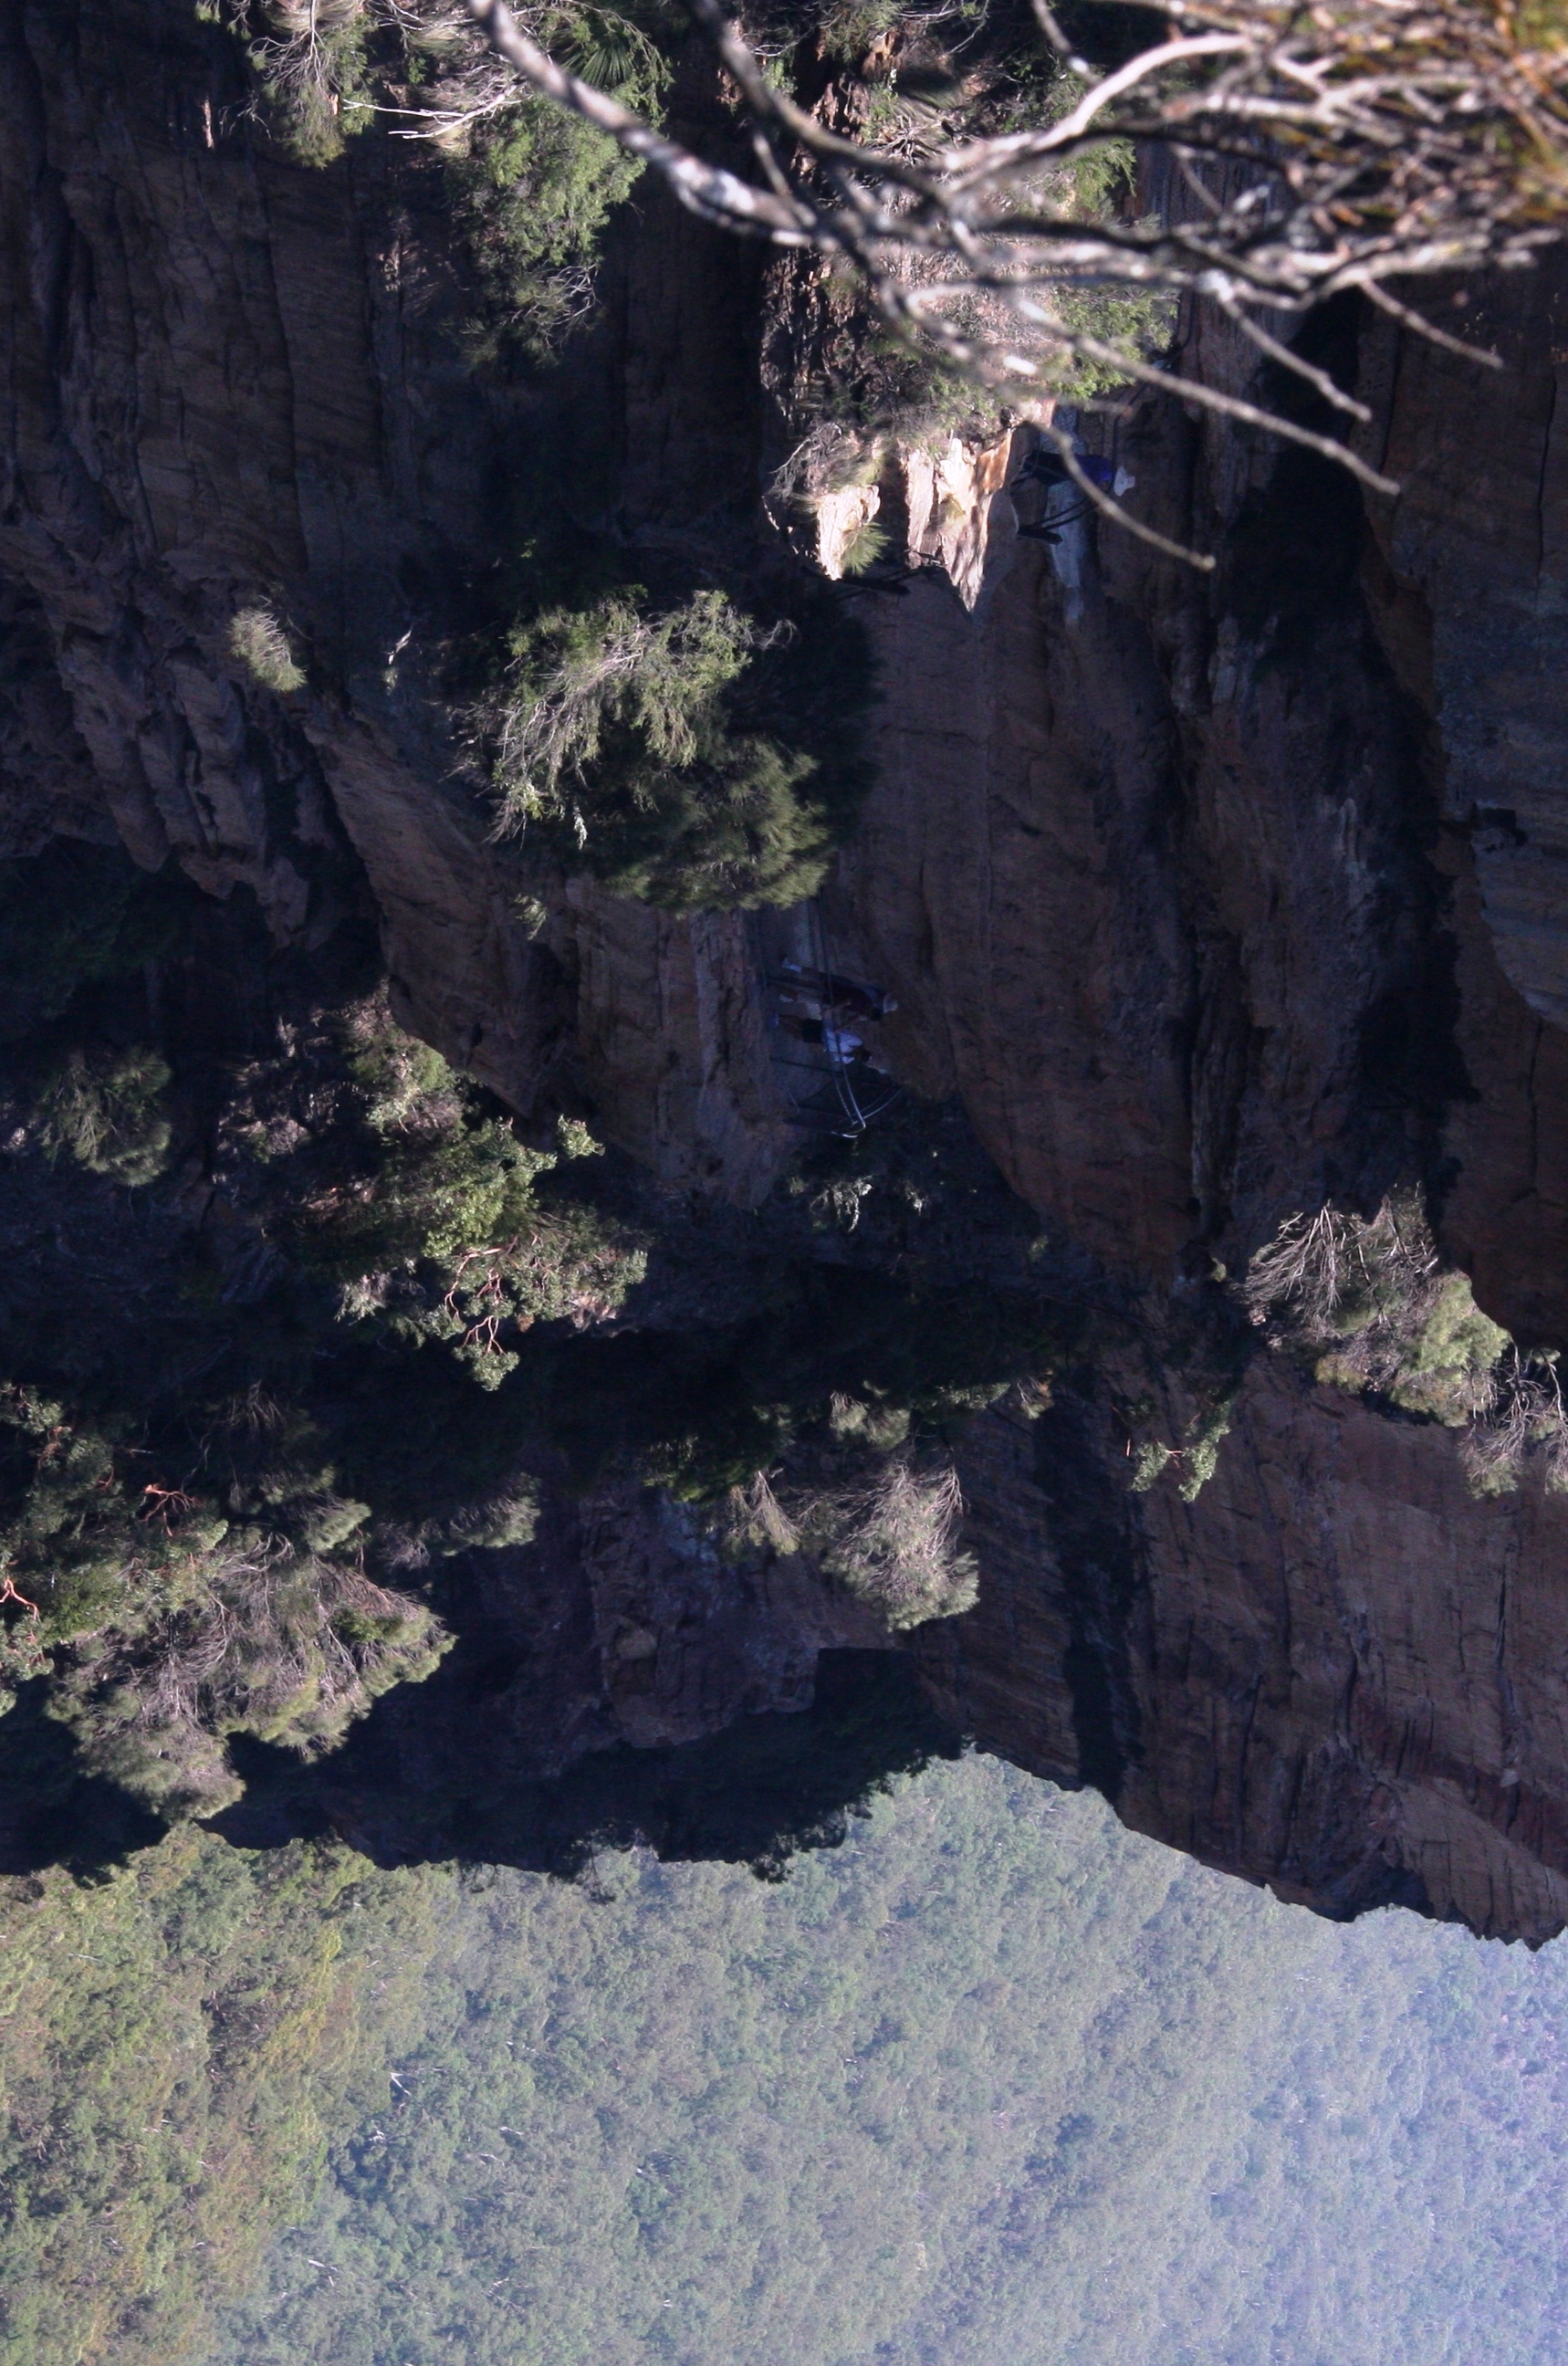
1328	150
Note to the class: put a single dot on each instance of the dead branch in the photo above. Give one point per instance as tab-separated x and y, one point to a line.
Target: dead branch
1325	151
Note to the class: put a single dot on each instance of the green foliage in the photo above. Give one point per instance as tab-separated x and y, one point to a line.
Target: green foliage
1368	1303
1191	1355
619	737
1151	1461
531	185
1136	325
184	1562
179	2044
1101	177
69	1541
444	1238
1197	1457
1453	1346
915	2101
436	1198
581	676
241	1601
937	84
906	2103
311	61
878	385
1200	1456
576	1141
174	1622
535	185
866	548
241	1449
109	1111
401	1078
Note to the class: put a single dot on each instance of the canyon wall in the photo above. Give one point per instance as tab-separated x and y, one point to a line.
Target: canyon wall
1216	902
1211	899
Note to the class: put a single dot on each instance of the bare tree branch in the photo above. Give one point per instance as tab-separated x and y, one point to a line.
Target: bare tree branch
1287	359
1428	329
1324	149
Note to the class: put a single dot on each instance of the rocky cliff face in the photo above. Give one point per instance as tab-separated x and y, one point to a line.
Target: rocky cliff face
1212	905
1211	901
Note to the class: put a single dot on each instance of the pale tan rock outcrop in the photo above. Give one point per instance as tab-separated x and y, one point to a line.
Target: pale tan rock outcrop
949	488
939	500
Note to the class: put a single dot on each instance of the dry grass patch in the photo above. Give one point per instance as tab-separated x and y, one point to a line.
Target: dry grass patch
889	1536
263	648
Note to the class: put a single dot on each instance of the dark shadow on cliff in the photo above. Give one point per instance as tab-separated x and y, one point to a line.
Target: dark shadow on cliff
52	1809
1292	561
1295	575
1089	1517
425	1780
755	1794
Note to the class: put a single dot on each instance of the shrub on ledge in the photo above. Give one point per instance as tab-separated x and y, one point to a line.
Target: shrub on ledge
621	736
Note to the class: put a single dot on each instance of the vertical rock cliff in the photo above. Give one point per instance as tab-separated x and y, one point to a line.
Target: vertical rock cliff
1211	901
